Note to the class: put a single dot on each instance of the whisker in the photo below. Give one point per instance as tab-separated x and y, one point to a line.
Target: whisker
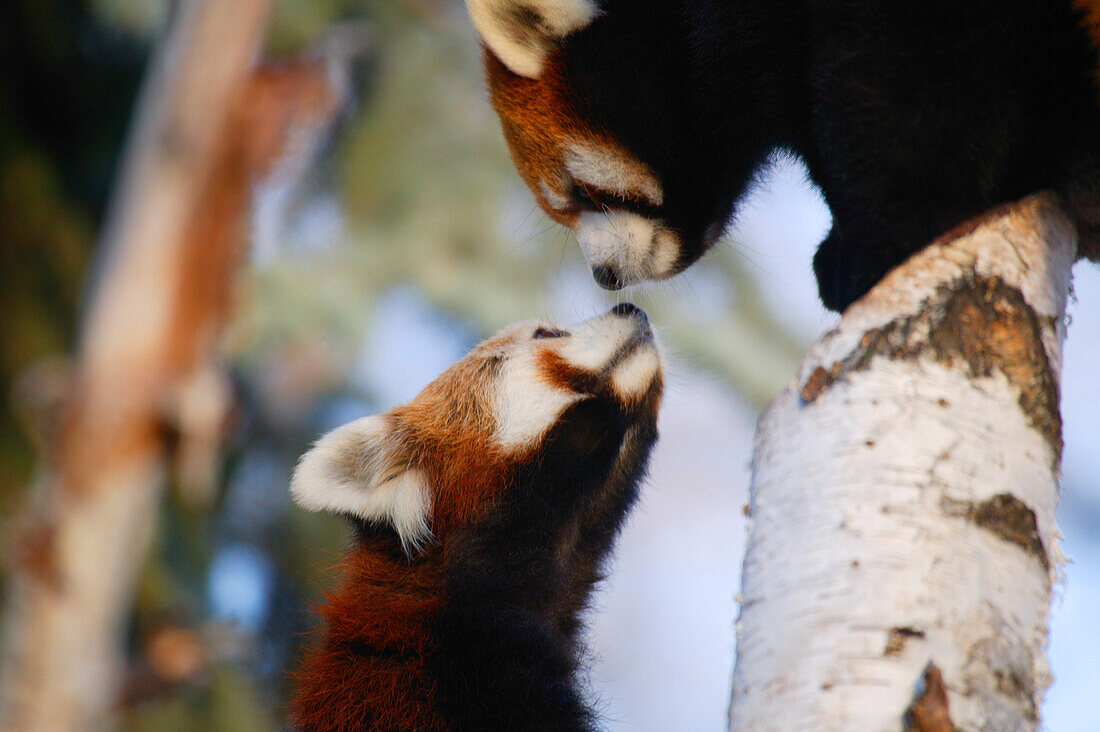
531	237
526	216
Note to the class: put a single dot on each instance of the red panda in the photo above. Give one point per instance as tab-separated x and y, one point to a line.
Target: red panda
483	510
639	124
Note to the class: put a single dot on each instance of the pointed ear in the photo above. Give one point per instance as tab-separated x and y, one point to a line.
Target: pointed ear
356	470
522	32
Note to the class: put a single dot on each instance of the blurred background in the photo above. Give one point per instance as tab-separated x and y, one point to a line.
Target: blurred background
371	230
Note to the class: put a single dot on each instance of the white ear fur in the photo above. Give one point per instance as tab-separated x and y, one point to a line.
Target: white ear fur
522	32
352	470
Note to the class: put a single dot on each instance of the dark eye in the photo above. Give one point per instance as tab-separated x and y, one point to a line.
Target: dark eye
548	333
582	197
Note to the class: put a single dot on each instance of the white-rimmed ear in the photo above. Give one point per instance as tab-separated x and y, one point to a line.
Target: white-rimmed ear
355	470
522	32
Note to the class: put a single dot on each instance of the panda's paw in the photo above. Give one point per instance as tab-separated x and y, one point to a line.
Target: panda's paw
847	268
833	269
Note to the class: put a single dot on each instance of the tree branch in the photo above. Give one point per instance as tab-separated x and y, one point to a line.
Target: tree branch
149	333
903	536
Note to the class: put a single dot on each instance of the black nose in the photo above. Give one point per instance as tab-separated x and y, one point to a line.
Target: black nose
607	278
627	309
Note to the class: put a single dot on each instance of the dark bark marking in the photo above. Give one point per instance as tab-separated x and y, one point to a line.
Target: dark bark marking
898	637
982	323
1010	518
820	380
1000	674
929	711
1005	516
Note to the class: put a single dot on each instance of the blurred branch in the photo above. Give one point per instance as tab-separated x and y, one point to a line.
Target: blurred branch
168	254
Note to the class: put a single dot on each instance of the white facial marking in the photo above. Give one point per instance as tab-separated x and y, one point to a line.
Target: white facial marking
593	342
616	236
666	250
612	172
350	471
527	405
631	378
522	32
635	246
555	199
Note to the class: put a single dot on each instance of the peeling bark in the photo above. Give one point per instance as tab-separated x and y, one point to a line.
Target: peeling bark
902	541
929	711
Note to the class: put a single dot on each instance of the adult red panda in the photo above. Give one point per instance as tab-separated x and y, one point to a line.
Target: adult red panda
639	124
484	510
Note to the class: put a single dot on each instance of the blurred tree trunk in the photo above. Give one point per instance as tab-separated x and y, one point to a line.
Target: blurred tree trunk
161	294
903	542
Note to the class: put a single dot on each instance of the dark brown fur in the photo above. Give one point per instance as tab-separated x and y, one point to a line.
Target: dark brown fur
479	629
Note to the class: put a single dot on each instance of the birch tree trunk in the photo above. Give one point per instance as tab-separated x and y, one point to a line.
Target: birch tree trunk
144	367
902	542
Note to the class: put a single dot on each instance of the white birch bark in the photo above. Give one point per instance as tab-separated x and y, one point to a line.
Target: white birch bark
902	538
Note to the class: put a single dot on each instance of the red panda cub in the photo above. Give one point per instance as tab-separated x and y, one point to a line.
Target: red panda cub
484	510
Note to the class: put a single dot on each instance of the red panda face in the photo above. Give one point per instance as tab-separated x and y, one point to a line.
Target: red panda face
585	180
442	460
602	151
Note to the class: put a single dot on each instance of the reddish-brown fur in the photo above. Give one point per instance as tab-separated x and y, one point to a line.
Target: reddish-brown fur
559	373
538	120
452	422
385	603
389	601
